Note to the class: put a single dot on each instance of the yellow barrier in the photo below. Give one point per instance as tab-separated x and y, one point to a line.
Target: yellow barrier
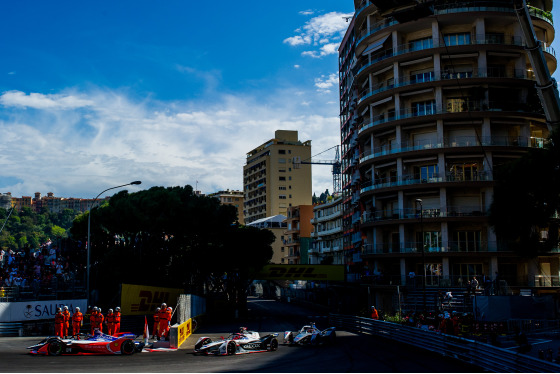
180	333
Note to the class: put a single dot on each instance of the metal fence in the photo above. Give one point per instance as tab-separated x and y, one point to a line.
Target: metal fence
486	356
190	306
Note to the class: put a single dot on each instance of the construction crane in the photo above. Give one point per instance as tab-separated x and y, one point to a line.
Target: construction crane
336	169
546	85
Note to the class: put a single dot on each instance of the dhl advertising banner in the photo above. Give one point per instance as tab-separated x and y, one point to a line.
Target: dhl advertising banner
302	272
140	300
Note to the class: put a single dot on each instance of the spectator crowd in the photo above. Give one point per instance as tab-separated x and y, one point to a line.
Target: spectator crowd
35	271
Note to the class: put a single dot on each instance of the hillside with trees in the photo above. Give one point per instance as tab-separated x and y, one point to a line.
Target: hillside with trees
28	229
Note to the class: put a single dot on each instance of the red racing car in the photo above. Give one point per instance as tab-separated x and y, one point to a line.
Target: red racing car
98	344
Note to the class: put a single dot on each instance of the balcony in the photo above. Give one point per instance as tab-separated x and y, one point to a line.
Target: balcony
408	180
443	76
416	247
456	142
411	213
455	107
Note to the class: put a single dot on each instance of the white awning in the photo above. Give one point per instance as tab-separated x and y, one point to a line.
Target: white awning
374	46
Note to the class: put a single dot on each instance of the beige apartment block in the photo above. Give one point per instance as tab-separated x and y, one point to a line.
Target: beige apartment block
271	183
234	198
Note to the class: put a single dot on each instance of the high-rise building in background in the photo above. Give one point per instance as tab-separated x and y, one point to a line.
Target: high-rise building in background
327	245
270	181
433	102
234	198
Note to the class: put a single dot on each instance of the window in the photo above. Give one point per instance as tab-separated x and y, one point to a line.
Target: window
281	160
421	76
290	178
282	188
418	44
282	197
467	241
290	196
432	241
495	38
281	170
457	39
281	151
423	108
464	172
455	105
281	178
428	172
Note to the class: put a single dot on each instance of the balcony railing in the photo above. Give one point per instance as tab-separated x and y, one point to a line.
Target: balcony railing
482	39
455	142
411	213
479	176
454	107
444	75
451	247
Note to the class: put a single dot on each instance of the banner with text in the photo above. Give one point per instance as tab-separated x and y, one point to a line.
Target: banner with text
140	300
302	272
37	310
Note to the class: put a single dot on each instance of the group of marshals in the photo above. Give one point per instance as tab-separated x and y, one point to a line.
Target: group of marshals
62	322
112	320
162	321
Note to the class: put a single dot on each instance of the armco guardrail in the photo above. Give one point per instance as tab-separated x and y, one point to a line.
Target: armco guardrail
485	356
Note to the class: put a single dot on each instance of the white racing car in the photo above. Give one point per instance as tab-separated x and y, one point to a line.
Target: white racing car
237	343
310	335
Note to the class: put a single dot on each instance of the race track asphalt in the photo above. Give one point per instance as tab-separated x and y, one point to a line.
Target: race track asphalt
351	353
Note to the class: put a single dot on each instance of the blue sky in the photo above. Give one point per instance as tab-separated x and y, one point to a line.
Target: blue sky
95	94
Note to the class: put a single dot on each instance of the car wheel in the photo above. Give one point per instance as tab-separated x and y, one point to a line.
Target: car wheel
230	349
202	342
273	344
55	347
127	347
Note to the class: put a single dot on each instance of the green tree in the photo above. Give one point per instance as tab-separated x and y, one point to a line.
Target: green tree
169	237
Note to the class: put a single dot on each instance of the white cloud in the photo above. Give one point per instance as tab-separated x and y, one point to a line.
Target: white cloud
40	101
306	12
324	84
297	66
322	32
81	142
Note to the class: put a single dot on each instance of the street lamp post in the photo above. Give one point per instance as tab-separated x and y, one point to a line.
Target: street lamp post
89	229
423	251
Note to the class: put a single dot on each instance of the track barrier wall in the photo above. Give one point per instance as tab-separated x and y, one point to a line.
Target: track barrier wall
486	356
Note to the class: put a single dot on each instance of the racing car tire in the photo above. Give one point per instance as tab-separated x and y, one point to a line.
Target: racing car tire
127	347
273	344
230	349
55	347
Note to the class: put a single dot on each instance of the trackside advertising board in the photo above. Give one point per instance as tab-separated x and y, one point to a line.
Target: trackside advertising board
37	310
302	272
143	300
184	330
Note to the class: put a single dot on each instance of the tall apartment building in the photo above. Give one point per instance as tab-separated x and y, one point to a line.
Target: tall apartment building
297	237
234	198
327	245
270	181
276	224
432	105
